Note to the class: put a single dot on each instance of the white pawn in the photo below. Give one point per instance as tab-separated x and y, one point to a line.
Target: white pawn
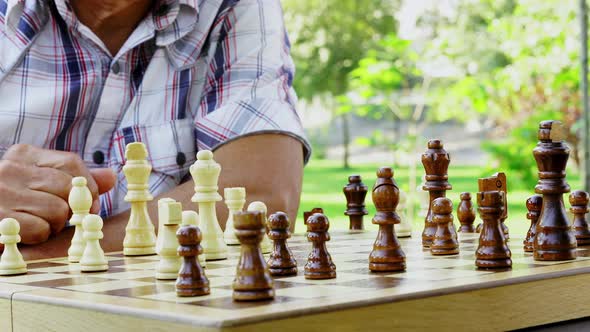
11	261
205	172
423	200
93	258
80	200
235	198
403	229
190	217
170	213
265	245
162	217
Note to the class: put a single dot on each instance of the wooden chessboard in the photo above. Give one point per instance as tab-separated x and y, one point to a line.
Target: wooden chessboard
435	292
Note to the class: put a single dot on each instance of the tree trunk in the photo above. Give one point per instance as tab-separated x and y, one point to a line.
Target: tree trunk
346	140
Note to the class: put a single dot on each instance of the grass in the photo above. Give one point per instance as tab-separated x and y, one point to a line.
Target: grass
323	182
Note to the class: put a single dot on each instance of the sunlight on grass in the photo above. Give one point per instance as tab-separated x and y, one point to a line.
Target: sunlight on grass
324	180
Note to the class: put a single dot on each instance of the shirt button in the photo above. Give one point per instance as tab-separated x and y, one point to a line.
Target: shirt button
115	68
98	157
180	159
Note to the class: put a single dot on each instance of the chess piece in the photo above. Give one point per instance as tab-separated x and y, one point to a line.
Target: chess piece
192	280
93	258
190	217
492	251
423	200
281	261
436	163
496	182
162	219
253	281
579	207
387	254
319	262
205	172
445	240
169	264
307	214
140	236
533	205
555	238
11	261
235	198
355	192
80	201
265	245
404	228
466	214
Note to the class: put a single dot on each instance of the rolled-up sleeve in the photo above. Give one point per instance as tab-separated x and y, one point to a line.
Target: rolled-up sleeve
248	86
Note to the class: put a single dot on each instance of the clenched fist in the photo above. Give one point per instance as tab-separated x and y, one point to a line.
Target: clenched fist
35	184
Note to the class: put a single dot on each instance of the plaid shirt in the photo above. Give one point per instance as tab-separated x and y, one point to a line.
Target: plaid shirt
194	74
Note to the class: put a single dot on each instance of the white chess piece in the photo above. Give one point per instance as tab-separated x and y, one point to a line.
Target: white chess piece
11	261
205	172
162	218
170	213
140	236
93	258
235	198
190	217
403	229
80	200
265	245
423	200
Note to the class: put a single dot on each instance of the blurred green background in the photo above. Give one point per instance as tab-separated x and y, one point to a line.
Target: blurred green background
377	79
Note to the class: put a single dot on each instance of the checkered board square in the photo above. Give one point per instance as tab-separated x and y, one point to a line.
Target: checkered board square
133	277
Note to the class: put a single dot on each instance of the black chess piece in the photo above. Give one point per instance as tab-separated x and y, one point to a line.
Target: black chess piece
319	262
492	251
355	192
436	164
253	281
555	238
387	254
533	205
281	261
192	280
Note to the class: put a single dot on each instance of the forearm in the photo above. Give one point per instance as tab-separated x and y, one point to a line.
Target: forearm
250	162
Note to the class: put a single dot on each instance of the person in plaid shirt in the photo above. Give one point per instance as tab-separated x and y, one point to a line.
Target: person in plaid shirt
80	79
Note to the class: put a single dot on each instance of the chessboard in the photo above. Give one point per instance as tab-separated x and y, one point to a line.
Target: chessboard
440	293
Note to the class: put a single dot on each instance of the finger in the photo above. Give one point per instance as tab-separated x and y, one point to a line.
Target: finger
51	208
105	179
67	162
33	230
51	181
95	209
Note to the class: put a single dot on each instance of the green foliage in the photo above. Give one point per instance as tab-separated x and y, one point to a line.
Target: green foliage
519	60
331	36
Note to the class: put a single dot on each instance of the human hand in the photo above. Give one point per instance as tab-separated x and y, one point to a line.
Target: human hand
35	184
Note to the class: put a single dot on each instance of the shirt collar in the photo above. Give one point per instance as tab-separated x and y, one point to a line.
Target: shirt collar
174	19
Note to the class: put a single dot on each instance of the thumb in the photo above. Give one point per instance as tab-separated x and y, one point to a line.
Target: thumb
105	179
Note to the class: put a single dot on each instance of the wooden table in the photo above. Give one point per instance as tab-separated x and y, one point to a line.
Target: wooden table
440	293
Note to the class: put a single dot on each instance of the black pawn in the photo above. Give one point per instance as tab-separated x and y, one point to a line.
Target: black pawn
319	262
579	207
281	262
191	280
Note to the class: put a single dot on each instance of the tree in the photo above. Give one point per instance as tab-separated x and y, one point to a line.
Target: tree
329	38
519	60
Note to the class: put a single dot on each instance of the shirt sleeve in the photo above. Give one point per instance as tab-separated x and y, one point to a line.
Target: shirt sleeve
248	86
